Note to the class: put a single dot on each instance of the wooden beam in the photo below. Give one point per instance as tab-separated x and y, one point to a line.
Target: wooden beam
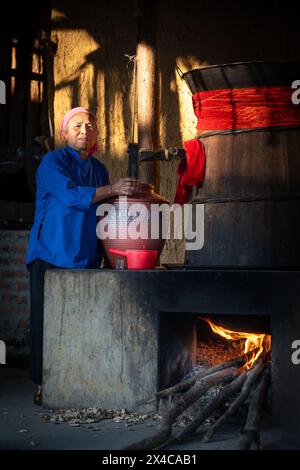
146	89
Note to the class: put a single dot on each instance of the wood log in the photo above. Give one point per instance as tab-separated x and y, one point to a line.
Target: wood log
184	402
187	384
213	405
251	429
252	376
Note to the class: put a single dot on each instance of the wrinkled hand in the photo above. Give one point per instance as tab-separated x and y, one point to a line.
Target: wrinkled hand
126	187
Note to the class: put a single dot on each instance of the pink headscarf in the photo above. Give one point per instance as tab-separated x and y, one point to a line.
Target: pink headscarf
72	113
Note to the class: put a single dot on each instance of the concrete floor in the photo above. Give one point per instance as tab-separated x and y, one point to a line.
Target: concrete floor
17	412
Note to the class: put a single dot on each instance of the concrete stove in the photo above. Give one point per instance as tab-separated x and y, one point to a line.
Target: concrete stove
113	338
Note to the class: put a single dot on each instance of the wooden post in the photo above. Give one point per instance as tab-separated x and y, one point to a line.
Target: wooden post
146	89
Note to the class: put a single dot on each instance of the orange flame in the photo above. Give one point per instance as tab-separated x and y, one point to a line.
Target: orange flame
255	343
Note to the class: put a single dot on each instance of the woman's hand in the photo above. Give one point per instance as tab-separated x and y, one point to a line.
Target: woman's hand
125	187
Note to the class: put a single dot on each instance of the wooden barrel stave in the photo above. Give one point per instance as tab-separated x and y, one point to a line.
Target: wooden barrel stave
254	234
252	165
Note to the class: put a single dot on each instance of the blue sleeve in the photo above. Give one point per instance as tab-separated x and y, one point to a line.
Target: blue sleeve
53	174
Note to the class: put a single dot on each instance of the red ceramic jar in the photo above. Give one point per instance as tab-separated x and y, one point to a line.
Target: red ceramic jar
121	219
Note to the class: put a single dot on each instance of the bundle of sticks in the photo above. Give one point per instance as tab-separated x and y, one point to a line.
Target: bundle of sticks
237	382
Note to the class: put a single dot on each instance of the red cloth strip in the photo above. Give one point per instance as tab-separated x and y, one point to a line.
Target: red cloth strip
245	108
190	170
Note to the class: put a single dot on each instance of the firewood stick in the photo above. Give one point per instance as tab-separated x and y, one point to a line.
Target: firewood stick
214	404
250	380
251	429
187	384
184	402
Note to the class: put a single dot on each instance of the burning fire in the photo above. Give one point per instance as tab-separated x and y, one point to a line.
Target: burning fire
254	343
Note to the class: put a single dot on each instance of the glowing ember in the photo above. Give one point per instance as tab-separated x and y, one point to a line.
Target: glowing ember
254	343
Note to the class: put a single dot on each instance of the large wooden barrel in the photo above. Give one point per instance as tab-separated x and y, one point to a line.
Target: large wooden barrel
251	192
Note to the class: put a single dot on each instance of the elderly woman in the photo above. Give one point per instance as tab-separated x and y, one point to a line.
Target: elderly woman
70	184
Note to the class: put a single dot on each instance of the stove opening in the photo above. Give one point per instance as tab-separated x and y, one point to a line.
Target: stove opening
214	370
189	343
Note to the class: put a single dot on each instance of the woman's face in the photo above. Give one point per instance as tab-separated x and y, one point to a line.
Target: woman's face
81	132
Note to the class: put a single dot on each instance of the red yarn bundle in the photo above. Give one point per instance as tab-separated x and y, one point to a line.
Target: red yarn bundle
242	108
245	108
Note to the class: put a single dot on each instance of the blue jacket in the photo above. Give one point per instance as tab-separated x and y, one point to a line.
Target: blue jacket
64	229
